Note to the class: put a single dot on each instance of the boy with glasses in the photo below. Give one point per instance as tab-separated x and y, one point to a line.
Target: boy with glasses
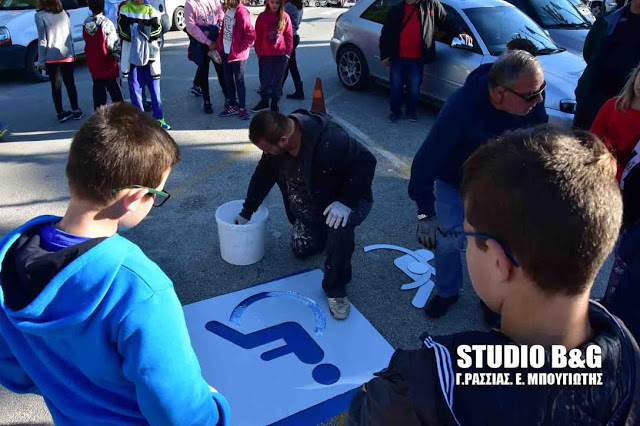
542	213
86	319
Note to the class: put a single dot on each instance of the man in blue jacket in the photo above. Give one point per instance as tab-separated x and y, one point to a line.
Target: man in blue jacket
483	108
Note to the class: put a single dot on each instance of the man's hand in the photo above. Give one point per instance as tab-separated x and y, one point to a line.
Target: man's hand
426	233
239	220
337	213
386	62
466	38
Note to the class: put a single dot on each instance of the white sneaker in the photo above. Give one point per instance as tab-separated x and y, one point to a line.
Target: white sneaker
339	307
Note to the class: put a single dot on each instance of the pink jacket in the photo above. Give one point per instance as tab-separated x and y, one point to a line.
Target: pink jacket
202	12
242	37
268	41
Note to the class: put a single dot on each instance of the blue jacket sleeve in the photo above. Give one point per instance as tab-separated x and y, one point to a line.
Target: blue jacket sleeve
433	156
12	375
158	358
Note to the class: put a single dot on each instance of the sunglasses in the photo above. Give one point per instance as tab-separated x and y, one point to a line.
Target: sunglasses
159	197
507	253
531	97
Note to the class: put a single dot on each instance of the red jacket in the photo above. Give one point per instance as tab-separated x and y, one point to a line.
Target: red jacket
268	41
242	37
102	47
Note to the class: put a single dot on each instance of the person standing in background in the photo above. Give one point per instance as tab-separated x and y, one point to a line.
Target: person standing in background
56	55
294	10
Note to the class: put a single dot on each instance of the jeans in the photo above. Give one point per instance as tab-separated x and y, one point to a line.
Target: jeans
271	69
450	214
100	88
140	77
293	65
201	79
407	72
234	78
59	72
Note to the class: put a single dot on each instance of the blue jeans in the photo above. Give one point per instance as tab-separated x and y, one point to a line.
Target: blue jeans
450	213
234	79
140	77
407	72
271	70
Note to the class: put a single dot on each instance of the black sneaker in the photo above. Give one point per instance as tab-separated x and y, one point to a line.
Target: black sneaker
438	306
208	108
64	116
77	114
261	106
492	319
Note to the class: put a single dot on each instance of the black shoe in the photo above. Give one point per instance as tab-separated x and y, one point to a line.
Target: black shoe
274	106
491	318
208	108
77	114
438	306
261	106
64	116
298	94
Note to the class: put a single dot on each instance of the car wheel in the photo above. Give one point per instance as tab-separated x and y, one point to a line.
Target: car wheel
353	70
179	23
32	72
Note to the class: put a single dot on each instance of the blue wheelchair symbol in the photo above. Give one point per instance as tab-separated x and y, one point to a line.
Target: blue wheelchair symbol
297	340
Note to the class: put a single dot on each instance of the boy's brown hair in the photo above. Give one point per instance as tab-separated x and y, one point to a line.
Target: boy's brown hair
118	146
270	126
549	197
96	6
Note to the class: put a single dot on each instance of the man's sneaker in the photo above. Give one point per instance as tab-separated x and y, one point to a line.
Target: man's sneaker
392	118
229	111
244	114
412	118
64	116
77	114
164	124
438	306
339	307
261	106
195	91
208	108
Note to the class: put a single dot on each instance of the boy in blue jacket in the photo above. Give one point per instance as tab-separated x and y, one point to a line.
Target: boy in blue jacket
86	319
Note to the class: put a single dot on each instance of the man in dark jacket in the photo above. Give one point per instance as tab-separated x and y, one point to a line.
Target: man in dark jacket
321	171
542	215
611	50
483	108
406	43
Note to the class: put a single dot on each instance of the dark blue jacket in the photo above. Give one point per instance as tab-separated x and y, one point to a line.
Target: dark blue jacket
467	121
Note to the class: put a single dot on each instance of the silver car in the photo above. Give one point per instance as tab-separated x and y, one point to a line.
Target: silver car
491	23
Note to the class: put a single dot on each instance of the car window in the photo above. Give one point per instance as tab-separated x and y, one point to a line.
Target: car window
557	14
513	24
18	4
378	11
441	33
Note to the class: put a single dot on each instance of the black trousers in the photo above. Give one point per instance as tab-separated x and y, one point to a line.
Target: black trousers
100	89
201	79
59	72
271	70
293	65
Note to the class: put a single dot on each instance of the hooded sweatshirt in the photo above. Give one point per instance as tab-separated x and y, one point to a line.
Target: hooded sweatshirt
269	42
98	331
199	14
102	47
242	36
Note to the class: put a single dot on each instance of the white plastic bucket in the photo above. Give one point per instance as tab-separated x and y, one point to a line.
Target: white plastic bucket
241	244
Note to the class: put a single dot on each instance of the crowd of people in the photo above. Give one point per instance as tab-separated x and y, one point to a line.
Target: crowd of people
536	209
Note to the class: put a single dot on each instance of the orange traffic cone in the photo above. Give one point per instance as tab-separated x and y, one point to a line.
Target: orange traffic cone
317	104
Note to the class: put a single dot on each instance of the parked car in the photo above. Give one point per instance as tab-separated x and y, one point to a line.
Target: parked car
175	11
584	10
355	49
561	19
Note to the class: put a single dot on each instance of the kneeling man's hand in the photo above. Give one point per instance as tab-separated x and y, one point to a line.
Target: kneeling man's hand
240	220
337	213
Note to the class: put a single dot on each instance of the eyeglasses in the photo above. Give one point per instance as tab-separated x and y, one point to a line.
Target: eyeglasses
159	197
489	237
531	97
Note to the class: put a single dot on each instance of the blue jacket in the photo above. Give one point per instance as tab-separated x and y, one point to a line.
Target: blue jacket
99	332
467	121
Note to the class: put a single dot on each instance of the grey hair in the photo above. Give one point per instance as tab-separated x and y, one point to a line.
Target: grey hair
510	66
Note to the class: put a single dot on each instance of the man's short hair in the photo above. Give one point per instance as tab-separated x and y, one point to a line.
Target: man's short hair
96	6
549	197
118	146
270	126
521	43
510	66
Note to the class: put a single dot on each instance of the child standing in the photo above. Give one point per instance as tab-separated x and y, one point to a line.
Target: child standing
274	44
56	55
86	319
294	10
618	122
140	28
102	49
237	37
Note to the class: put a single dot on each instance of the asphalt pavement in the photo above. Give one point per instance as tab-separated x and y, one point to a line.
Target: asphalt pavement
217	164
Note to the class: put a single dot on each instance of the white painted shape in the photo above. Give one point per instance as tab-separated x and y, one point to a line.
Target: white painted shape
262	392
